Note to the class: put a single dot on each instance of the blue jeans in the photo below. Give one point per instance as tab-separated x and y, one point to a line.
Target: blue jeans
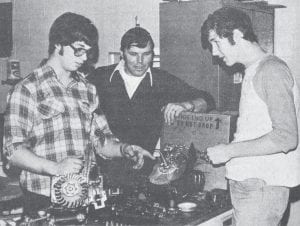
257	204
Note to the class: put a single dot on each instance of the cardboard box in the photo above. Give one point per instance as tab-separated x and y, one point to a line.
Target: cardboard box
203	130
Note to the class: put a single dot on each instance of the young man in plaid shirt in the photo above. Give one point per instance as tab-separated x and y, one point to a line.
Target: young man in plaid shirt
50	118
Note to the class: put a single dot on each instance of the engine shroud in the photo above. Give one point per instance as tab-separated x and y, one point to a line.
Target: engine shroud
74	191
173	163
69	191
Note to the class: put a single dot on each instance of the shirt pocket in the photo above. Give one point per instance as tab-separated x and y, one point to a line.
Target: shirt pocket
84	107
50	108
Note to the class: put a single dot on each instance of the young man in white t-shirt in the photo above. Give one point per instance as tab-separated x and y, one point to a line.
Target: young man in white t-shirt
263	161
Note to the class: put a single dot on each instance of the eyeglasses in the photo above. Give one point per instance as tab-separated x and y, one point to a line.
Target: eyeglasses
78	52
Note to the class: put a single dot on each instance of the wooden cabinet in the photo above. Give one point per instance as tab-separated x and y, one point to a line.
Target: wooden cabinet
181	52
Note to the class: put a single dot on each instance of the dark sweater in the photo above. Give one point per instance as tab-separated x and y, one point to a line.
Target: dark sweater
139	120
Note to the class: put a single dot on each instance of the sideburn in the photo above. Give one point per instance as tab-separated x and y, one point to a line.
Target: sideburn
61	51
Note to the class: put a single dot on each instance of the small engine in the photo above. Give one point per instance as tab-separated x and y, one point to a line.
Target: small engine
72	197
75	190
172	164
73	194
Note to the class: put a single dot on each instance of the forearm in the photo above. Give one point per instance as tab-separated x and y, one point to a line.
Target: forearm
264	145
110	148
26	160
196	105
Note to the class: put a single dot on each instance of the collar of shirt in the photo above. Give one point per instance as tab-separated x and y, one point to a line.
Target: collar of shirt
120	68
49	73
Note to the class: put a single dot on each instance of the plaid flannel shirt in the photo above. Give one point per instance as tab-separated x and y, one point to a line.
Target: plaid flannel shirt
53	121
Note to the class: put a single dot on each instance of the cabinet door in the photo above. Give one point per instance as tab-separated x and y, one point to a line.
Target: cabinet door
262	17
181	52
263	23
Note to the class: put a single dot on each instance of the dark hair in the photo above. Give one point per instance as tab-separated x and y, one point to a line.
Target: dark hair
223	21
136	36
69	28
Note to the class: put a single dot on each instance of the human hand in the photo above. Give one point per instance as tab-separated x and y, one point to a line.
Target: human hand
172	110
219	154
68	165
136	154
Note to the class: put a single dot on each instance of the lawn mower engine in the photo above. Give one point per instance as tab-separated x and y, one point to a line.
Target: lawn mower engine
73	194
